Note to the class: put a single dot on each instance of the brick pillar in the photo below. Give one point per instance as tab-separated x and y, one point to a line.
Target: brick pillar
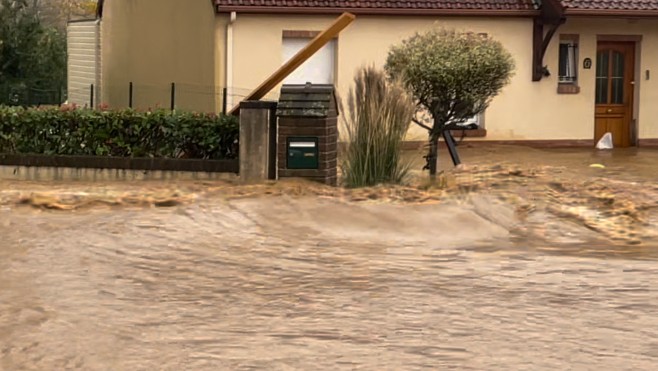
308	114
325	129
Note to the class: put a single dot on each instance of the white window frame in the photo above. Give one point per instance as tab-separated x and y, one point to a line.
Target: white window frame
330	49
477	120
571	76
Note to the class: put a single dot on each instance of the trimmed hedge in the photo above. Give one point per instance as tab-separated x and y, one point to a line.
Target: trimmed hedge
122	133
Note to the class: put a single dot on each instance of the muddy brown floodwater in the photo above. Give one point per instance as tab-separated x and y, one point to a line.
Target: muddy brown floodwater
215	277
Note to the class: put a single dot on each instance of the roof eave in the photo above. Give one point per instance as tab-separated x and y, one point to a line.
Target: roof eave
377	11
628	13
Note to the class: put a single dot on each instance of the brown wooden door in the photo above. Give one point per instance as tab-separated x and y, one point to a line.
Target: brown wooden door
614	91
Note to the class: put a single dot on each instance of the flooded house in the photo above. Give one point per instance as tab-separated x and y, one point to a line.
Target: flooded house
583	68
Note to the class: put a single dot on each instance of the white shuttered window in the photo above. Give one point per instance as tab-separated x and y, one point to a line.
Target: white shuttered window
319	69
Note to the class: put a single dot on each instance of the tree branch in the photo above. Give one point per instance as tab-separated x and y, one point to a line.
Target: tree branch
419	123
451	126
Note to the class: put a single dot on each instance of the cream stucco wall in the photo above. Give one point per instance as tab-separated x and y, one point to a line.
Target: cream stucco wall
154	43
525	110
646	91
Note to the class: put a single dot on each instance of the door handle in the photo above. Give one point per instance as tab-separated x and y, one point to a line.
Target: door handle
609	110
632	82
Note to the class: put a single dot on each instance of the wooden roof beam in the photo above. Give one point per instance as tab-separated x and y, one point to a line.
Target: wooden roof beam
552	15
551	10
298	59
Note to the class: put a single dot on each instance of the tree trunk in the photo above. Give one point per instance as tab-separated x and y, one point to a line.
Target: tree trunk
433	157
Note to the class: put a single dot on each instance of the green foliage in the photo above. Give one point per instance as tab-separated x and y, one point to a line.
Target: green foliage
127	133
380	113
32	57
453	75
56	13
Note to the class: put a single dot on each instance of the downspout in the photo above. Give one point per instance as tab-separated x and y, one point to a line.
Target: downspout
229	60
99	60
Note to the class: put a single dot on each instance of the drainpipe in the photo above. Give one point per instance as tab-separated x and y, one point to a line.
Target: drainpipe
99	59
229	61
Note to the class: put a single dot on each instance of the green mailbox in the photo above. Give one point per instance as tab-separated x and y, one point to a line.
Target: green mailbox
302	153
307	133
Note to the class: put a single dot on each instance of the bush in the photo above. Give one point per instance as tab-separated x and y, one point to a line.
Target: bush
124	133
452	75
33	55
380	112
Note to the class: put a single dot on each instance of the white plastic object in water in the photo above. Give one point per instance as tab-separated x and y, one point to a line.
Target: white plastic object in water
605	142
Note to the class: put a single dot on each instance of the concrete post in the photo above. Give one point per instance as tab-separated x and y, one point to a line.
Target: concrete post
257	141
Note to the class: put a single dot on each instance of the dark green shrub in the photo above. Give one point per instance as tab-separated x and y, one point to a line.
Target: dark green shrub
123	133
32	56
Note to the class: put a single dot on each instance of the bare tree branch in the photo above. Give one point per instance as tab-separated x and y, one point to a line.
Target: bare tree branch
420	123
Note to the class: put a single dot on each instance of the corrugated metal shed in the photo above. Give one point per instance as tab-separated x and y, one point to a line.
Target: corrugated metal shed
84	61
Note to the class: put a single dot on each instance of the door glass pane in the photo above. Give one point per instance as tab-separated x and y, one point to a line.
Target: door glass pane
602	59
617	64
601	91
617	78
602	63
617	90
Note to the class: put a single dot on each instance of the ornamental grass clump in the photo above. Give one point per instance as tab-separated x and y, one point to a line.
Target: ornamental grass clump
379	114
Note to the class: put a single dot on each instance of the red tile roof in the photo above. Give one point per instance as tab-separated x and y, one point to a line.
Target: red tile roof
380	6
430	7
611	4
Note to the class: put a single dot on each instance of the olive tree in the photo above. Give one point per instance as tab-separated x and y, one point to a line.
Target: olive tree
452	75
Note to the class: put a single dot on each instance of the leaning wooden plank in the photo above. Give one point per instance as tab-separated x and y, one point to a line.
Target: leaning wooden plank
298	59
